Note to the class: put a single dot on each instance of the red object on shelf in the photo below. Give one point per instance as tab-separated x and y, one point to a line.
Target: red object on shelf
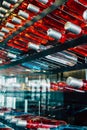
83	2
40	122
45	26
36	32
82	50
17	119
35	38
61	85
41	28
56	17
71	14
54	86
17	46
44	3
65	16
32	34
76	6
24	116
77	83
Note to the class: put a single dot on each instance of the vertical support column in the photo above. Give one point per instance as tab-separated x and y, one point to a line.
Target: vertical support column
14	103
46	111
85	69
40	102
86	74
61	76
26	106
57	76
39	108
5	99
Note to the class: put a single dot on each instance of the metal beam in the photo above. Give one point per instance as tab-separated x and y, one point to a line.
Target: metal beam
57	48
44	13
66	69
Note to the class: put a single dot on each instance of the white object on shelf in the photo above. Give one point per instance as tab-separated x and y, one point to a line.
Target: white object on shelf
74	82
14	120
33	8
53	33
15	1
6	4
1	38
23	14
43	1
2	34
16	20
11	55
3	29
21	123
10	25
35	46
72	28
85	14
1	15
3	10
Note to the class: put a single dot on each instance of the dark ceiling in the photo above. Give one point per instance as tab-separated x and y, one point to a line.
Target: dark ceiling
1	2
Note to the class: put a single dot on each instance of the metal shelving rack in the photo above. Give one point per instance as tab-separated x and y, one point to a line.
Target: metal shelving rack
56	48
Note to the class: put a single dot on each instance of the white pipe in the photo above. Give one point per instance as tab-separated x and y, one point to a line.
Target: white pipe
26	106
